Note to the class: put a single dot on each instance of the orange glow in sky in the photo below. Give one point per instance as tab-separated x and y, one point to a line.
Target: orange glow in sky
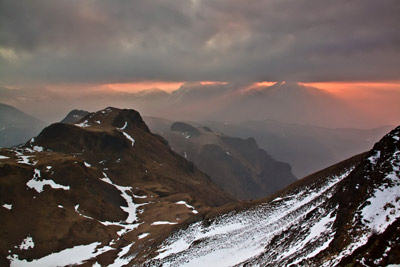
139	86
341	89
264	84
347	89
211	82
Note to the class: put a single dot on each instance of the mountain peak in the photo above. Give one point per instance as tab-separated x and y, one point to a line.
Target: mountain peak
107	130
113	118
184	128
74	116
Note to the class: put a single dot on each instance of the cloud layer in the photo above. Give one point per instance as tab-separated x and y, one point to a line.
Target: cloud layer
99	41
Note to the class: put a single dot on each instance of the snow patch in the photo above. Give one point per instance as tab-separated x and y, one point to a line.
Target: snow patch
374	158
7	206
83	124
123	258
3	157
188	206
38	185
131	209
123	127
87	164
137	196
23	159
127	136
70	256
163	222
143	235
81	214
38	148
27	243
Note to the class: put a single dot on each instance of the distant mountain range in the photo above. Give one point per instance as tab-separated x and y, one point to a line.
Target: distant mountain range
17	127
306	148
237	165
283	101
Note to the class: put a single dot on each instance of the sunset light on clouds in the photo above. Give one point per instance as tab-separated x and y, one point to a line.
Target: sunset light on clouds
139	86
71	50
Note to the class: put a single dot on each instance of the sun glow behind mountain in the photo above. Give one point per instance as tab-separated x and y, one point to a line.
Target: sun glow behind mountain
143	85
341	89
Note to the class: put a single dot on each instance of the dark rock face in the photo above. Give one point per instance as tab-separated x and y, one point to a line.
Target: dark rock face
71	139
237	165
130	116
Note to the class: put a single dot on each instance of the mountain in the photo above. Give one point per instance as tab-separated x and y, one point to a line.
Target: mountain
286	102
291	102
190	93
345	215
151	94
74	116
237	165
17	127
101	190
306	148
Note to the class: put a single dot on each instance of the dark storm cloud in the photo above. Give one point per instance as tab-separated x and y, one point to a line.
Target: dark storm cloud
117	41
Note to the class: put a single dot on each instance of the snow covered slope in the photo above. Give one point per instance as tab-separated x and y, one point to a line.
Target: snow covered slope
347	216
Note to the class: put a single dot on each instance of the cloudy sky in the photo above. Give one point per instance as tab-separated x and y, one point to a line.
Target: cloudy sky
83	45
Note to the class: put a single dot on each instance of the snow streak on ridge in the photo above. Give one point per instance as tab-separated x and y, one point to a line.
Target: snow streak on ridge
243	237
